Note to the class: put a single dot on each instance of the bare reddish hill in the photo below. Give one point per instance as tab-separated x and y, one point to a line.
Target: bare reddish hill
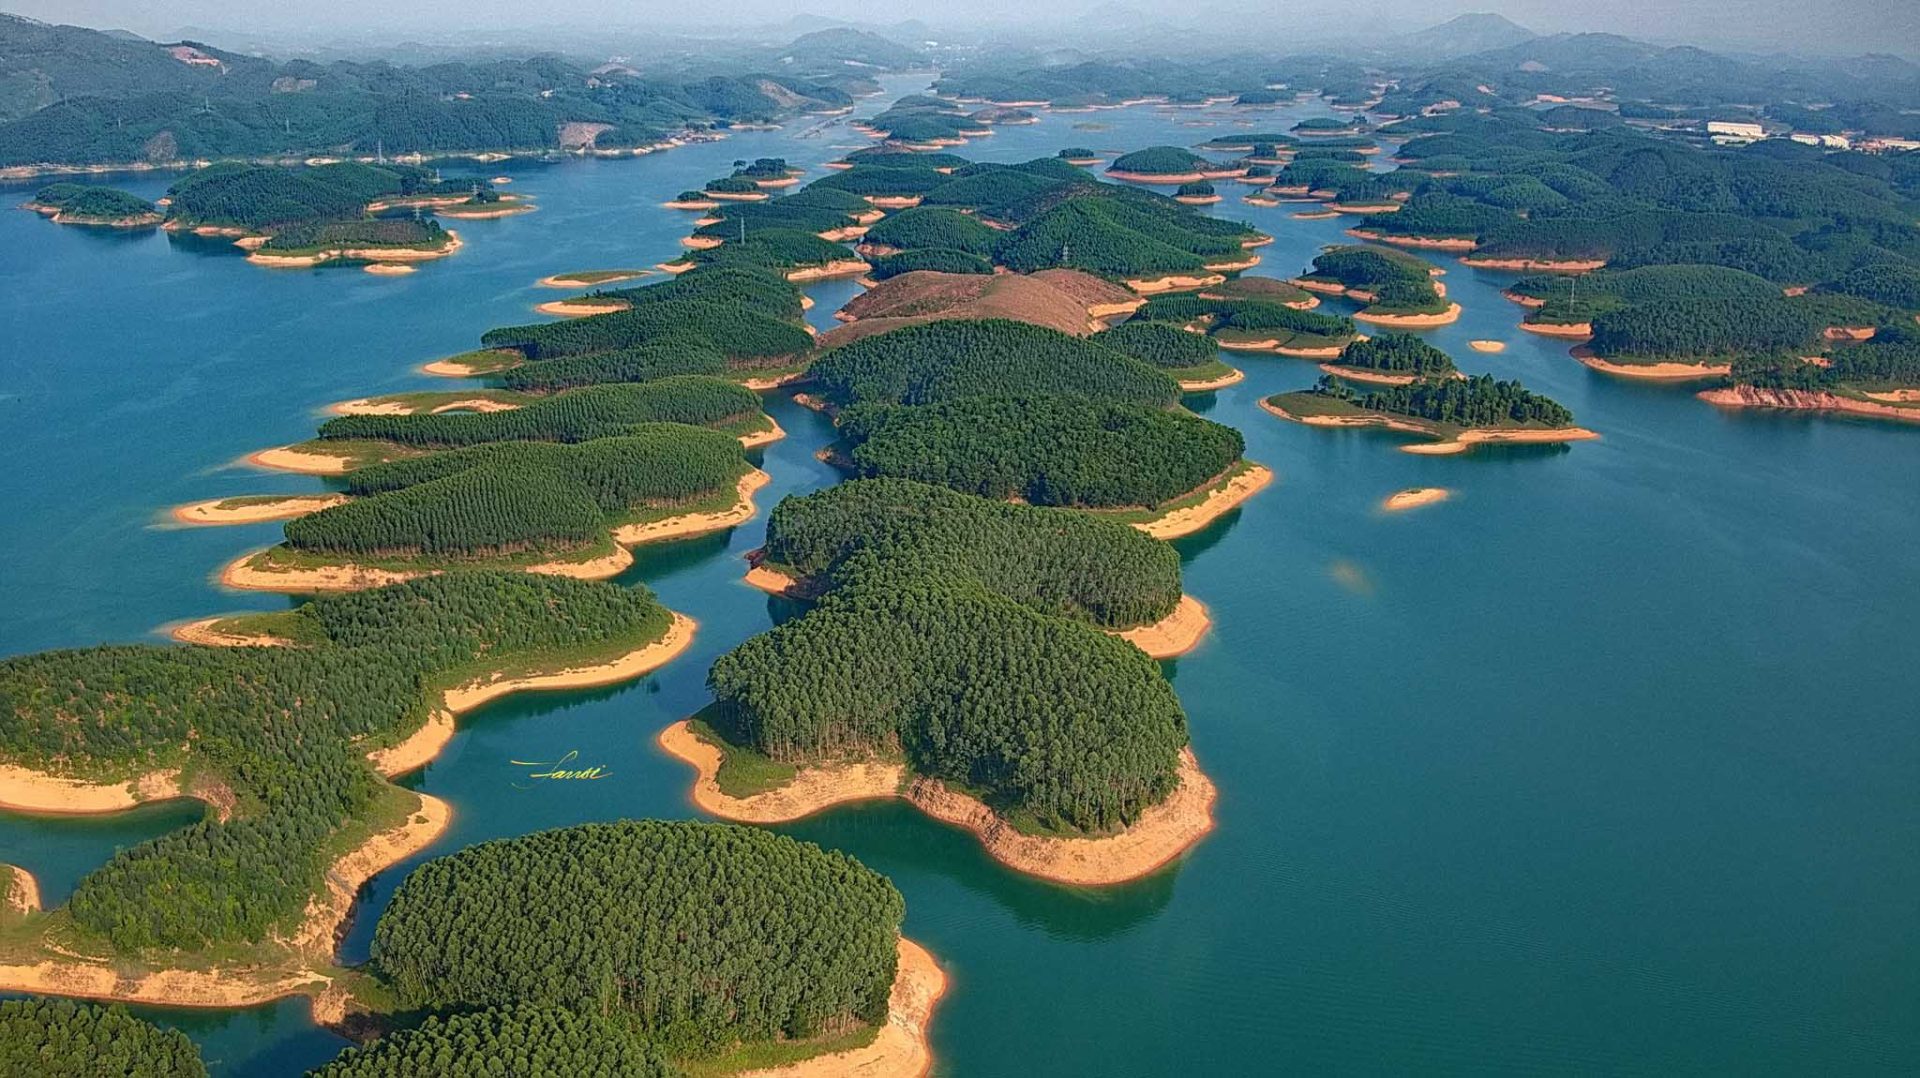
1066	300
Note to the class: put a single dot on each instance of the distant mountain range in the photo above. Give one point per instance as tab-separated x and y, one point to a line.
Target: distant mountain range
1464	35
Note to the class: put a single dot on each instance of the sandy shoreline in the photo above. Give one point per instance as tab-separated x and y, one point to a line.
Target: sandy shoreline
901	1048
285	458
1424	243
1163	832
1414	497
1654	372
26	790
1572	331
201	631
1411	321
242	574
773	433
328	913
691	524
23	891
262	257
1174	635
633	664
1218	503
1207	385
296	505
562	280
1536	265
571	309
1443	445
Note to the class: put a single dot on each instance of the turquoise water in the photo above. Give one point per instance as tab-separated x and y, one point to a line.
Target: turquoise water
1606	765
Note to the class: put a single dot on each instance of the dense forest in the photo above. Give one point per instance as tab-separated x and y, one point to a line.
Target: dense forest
697	936
949	360
513	497
1708	327
867	533
534	1041
576	415
76	96
1890	361
1161	160
1397	353
935	259
267	198
1074	730
278	728
1479	401
1056	450
1163	344
53	1038
77	201
1247	318
736	333
374	233
931	226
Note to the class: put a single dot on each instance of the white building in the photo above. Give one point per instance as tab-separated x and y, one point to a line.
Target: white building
1735	132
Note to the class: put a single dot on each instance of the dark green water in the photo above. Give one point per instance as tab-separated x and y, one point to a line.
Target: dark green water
1608	765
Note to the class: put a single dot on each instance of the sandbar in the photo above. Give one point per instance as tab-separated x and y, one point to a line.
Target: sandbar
288	459
1487	346
1162	833
1536	265
202	632
388	269
1656	372
1175	634
566	308
1218	502
590	278
217	511
1414	497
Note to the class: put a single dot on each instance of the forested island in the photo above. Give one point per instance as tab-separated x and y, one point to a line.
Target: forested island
912	583
104	207
1397	288
1456	413
1256	325
1878	378
287	741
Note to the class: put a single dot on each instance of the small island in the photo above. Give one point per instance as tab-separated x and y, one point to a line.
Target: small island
1398	289
99	207
1455	414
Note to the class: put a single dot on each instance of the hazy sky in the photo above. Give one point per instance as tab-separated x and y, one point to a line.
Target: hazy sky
1822	26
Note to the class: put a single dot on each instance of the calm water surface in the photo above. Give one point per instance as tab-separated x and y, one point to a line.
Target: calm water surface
1608	765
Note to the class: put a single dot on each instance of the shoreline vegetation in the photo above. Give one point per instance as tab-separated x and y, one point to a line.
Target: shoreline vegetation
253	509
303	964
1447	440
257	571
1221	497
1162	833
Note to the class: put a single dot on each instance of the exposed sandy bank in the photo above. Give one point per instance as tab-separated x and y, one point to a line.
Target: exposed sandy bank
1162	833
388	269
1175	634
241	573
690	524
288	459
1218	502
1536	265
900	1050
633	664
297	505
1805	401
1152	286
23	891
25	790
202	632
1487	346
1207	385
562	280
1414	497
574	309
1411	321
1572	331
1654	372
328	912
1425	243
840	267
